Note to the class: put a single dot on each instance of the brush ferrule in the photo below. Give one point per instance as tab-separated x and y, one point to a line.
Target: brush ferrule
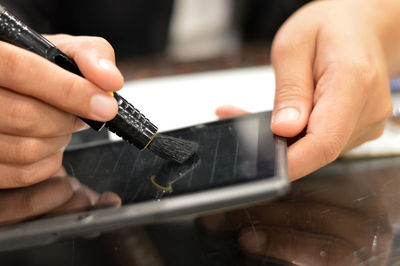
131	125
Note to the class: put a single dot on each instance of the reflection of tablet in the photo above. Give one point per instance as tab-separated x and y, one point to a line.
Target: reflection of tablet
239	162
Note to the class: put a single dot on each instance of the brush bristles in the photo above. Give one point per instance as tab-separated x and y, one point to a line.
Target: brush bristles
173	149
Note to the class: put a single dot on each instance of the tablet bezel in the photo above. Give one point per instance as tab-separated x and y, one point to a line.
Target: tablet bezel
48	230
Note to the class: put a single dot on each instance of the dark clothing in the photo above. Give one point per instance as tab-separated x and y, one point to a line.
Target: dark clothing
141	26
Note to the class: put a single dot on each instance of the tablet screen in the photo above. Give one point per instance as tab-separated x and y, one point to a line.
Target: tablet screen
231	151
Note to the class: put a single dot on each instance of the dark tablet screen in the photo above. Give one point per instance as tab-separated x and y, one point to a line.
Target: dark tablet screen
230	151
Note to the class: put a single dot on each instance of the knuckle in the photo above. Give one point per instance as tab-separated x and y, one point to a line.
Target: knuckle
34	173
387	110
27	151
101	41
284	46
369	74
24	117
330	149
25	176
380	115
94	42
68	93
377	132
290	90
11	64
365	71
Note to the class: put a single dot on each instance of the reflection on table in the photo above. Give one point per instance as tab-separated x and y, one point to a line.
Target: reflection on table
344	214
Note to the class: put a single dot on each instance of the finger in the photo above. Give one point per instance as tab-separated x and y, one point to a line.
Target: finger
61	172
304	216
328	131
85	198
78	202
229	111
367	134
20	204
14	176
95	58
298	247
21	150
292	57
28	117
108	199
29	74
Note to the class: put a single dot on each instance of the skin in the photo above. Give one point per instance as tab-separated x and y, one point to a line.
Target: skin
332	68
54	196
38	111
332	62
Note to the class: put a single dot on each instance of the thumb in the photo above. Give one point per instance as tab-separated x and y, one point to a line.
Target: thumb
292	58
95	58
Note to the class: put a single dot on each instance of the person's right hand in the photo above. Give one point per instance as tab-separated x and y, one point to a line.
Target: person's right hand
39	101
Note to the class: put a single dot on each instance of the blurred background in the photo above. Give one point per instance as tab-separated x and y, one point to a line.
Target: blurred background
181	59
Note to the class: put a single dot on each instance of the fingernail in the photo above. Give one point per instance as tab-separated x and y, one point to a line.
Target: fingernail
82	126
102	106
107	65
286	115
253	241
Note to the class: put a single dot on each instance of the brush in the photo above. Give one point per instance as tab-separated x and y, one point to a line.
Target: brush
129	123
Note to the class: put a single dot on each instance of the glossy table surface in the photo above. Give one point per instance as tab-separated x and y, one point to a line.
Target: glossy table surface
344	214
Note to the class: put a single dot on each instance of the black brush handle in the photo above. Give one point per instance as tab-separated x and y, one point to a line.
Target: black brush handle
129	123
13	31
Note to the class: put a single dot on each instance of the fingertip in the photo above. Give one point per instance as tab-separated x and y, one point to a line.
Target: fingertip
227	111
103	107
111	75
100	69
288	122
95	58
254	241
108	199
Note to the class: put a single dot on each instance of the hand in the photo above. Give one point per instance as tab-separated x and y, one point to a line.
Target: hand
332	79
332	61
39	101
51	197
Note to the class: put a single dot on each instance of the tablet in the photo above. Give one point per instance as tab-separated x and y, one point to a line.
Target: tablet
239	162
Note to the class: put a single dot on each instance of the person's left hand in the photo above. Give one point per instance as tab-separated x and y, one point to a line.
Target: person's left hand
332	79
